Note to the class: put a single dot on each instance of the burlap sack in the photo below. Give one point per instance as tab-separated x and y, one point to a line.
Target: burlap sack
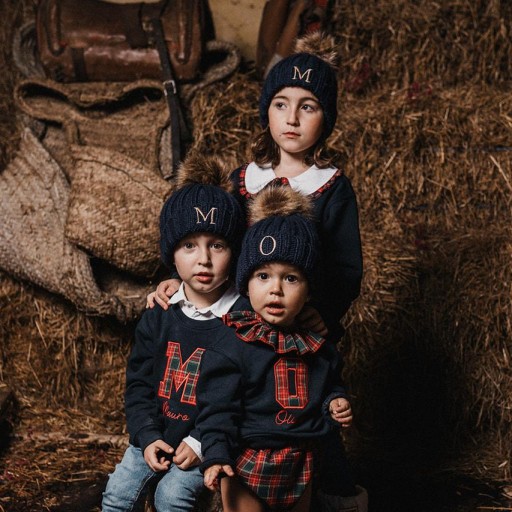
34	198
129	118
114	209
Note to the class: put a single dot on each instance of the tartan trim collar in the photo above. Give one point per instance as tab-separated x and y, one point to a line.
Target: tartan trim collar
267	177
308	182
250	327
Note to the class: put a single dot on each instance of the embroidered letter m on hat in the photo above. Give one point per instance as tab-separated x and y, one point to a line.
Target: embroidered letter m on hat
306	76
201	217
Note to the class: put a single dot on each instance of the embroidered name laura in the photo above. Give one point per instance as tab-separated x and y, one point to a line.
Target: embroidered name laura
173	415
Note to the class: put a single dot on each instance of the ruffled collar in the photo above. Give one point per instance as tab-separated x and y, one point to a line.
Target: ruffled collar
250	327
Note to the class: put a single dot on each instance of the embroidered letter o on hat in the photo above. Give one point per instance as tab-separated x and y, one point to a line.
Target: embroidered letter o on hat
200	206
286	235
268	245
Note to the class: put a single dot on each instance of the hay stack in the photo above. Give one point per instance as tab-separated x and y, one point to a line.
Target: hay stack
399	43
226	118
425	129
437	352
56	357
450	145
428	351
439	167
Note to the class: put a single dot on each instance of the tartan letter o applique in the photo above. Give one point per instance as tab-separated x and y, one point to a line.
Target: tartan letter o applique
291	376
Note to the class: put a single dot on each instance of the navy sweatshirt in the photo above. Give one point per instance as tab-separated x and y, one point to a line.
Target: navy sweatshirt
163	373
250	396
337	282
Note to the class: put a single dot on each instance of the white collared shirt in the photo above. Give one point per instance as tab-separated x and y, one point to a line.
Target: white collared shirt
215	310
309	181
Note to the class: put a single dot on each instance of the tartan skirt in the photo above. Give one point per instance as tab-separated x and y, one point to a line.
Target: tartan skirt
278	476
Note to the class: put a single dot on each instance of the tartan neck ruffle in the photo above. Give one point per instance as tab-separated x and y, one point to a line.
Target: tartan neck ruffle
250	327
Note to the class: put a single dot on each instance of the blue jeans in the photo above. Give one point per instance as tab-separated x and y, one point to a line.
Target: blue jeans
129	483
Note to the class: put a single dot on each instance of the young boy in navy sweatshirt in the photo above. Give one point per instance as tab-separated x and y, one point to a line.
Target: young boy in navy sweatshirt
201	226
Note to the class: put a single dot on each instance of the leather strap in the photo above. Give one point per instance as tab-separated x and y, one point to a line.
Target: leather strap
136	33
179	129
77	56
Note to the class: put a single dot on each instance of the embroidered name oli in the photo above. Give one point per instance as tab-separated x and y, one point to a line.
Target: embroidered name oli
201	217
181	373
306	76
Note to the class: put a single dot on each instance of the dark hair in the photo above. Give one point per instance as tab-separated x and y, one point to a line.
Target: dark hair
266	151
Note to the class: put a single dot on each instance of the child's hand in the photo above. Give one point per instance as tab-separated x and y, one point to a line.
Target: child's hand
154	458
163	291
185	457
341	411
211	475
309	318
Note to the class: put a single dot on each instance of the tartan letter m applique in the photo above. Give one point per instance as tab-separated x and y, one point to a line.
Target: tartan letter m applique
181	374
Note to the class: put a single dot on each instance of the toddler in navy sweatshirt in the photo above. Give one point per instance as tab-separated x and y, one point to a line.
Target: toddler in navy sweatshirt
272	398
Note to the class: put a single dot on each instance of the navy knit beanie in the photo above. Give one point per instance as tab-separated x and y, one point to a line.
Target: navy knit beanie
199	207
309	72
288	237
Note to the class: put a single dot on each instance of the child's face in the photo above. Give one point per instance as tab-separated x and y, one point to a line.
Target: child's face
203	262
277	292
296	120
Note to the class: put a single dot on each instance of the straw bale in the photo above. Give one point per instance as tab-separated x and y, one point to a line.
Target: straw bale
436	120
450	146
67	373
430	368
466	189
226	118
55	356
424	127
399	42
380	319
470	324
389	277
